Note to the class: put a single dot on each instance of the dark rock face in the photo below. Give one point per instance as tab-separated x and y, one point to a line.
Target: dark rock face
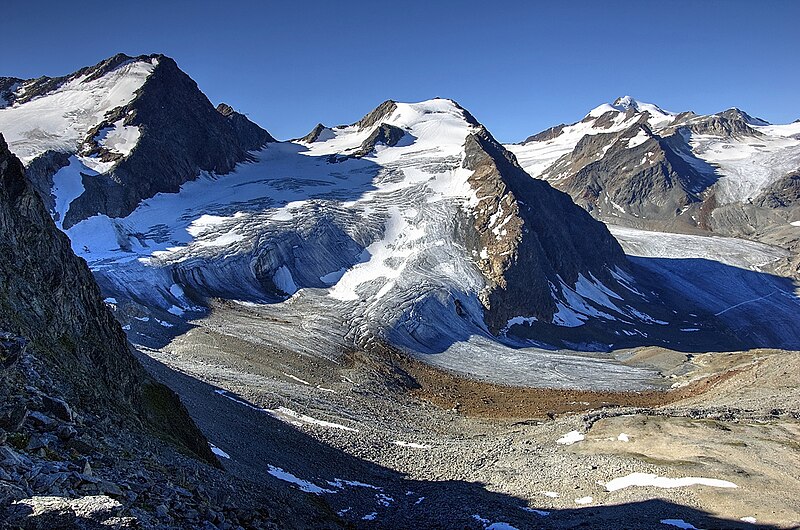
49	297
651	180
40	172
782	193
385	134
545	236
547	134
250	136
732	122
7	86
381	112
182	134
314	134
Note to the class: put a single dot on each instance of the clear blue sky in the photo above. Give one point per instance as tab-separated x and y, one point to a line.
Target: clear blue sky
519	67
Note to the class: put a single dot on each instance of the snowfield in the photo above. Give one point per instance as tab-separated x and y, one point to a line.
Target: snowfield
729	277
747	165
61	119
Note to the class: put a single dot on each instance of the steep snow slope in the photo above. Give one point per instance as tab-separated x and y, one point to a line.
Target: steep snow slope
60	119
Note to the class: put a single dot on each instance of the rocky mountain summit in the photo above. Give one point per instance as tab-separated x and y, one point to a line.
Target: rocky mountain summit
121	131
634	164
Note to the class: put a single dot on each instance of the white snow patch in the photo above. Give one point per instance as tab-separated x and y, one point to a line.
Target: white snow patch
304	485
290	376
384	500
640	138
333	277
648	479
412	445
370	516
749	519
340	484
519	320
584	500
542	513
571	438
623	437
119	138
680	523
110	300
551	494
217	451
566	317
284	412
223	240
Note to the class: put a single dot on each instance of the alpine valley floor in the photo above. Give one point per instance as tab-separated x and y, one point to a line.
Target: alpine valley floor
390	442
393	440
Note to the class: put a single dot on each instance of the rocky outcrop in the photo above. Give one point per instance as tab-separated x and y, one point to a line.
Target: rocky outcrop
312	136
547	134
633	173
250	136
49	297
40	172
384	134
782	193
528	237
381	112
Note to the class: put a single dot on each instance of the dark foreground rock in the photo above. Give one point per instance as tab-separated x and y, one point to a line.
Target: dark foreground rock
87	438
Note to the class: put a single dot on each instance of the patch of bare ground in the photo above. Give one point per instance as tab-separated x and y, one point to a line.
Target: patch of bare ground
475	398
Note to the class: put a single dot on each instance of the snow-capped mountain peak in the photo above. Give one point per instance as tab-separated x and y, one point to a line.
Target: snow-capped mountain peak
627	103
110	135
57	113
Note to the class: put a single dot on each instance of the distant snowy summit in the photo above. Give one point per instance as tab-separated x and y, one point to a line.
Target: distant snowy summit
634	163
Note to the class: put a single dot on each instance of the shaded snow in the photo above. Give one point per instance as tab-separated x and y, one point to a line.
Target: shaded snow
680	523
217	451
67	186
304	485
